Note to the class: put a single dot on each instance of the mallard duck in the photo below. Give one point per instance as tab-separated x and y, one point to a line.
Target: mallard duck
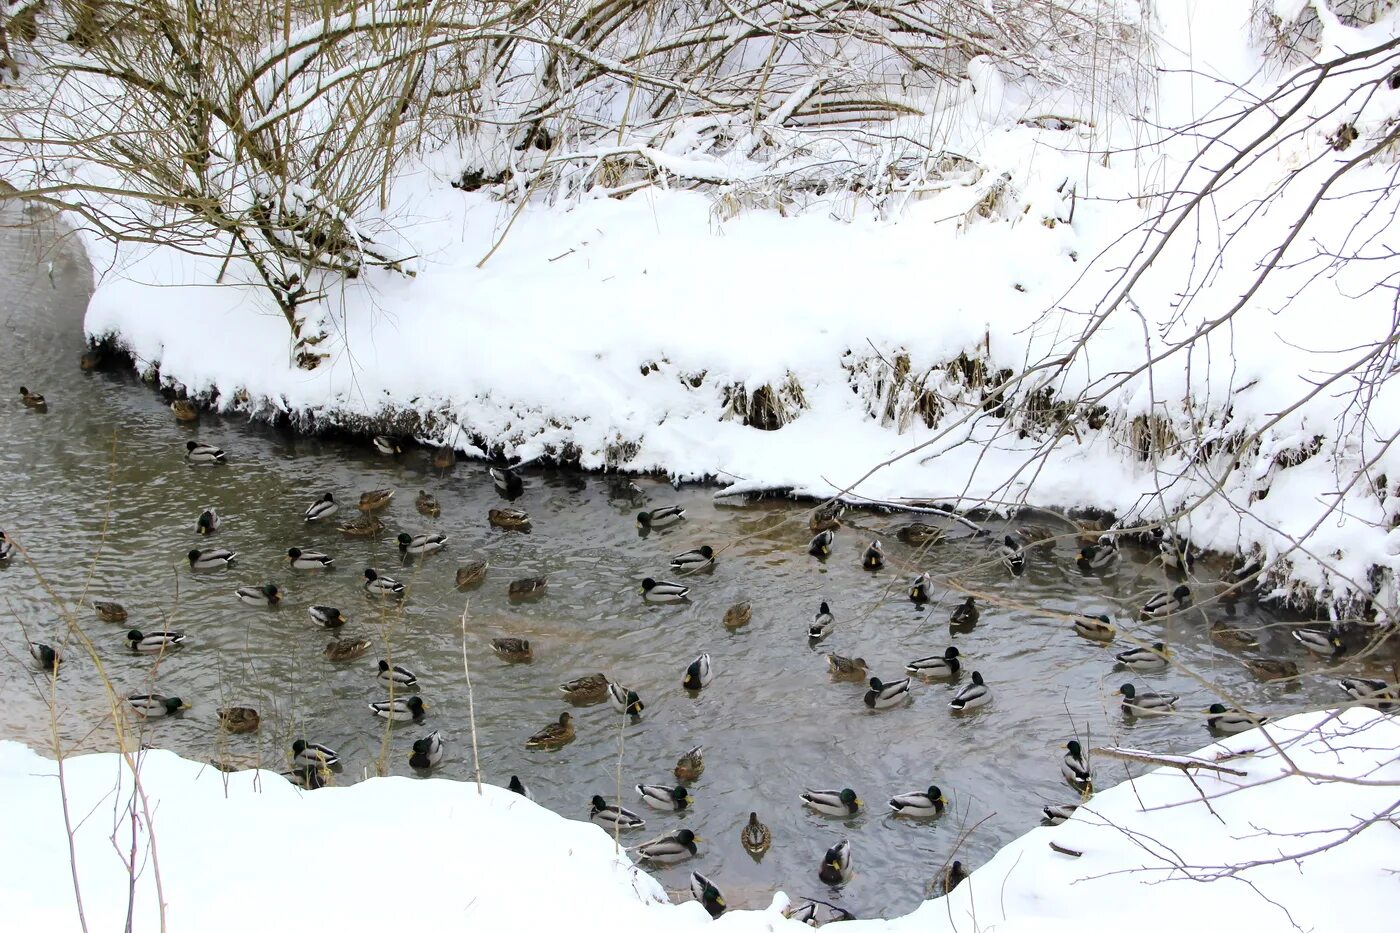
196	452
920	534
427	505
591	688
109	611
1146	704
826	517
237	720
427	752
311	755
822	623
738	615
154	642
527	587
666	514
1094	628
1144	660
820	546
388	445
675	847
516	786
32	399
966	615
509	519
208	522
1165	604
323	507
971	695
1271	668
843	668
921	588
755	837
919	803
515	650
366	526
213	558
444	458
609	814
375	499
699	673
937	667
832	802
90	360
399	709
471	574
1375	693
328	616
1229	721
309	560
836	864
663	590
184	410
269	594
624	700
507	482
1075	767
709	896
689	765
377	584
396	674
815	913
1232	637
661	797
882	695
953	876
1012	557
1176	553
154	705
1097	556
1326	644
1055	814
874	556
701	558
346	649
420	545
7	547
310	778
554	735
46	656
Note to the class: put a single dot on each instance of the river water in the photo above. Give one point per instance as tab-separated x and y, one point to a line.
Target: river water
98	493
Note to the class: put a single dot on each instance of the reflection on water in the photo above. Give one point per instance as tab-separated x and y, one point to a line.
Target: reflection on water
97	491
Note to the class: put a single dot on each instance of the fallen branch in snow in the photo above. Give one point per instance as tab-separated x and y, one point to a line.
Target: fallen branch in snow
1065	851
1180	762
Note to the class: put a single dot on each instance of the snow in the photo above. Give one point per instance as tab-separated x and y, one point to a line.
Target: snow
248	847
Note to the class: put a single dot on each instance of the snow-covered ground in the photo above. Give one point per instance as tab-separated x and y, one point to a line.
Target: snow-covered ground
248	850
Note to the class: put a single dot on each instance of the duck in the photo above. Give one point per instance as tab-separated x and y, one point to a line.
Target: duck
1144	660
208	454
309	560
671	848
833	802
1271	668
920	589
965	615
46	656
507	482
755	837
1232	637
972	695
184	409
1094	628
470	574
323	507
515	650
920	534
663	590
208	522
625	701
1146	704
1097	556
1055	814
882	695
422	544
310	778
1176	554
822	623
91	360
427	505
843	668
1075	767
836	864
827	517
666	514
269	594
820	546
32	399
328	616
937	667
516	786
919	803
444	458
590	688
1165	604
527	587
375	499
238	720
699	674
554	735
509	519
427	752
738	615
600	811
701	558
346	649
874	556
953	876
661	797
214	558
399	709
689	765
396	674
1326	644
7	547
388	445
366	526
154	705
1229	721
709	896
1011	555
154	642
1375	693
312	755
815	913
377	584
109	611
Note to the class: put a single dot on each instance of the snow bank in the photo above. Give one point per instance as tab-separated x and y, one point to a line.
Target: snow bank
249	849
